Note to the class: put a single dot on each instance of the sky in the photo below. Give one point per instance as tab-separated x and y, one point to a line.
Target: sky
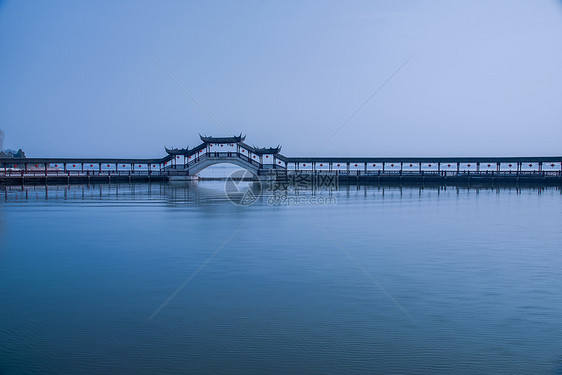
126	78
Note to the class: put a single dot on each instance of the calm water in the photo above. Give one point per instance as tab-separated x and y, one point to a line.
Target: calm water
144	279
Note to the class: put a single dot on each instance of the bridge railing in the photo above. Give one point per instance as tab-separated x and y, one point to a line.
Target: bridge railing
223	155
427	173
180	171
105	173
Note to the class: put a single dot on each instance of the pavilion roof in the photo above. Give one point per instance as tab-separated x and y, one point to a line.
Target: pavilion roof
234	139
177	151
266	150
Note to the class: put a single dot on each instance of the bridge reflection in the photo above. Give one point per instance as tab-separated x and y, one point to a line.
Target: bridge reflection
213	192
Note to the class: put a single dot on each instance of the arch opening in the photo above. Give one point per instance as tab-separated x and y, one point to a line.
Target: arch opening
221	168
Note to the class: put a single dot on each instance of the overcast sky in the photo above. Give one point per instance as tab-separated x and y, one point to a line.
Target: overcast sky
79	78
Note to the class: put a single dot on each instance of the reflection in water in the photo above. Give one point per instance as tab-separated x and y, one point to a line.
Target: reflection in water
304	287
209	192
